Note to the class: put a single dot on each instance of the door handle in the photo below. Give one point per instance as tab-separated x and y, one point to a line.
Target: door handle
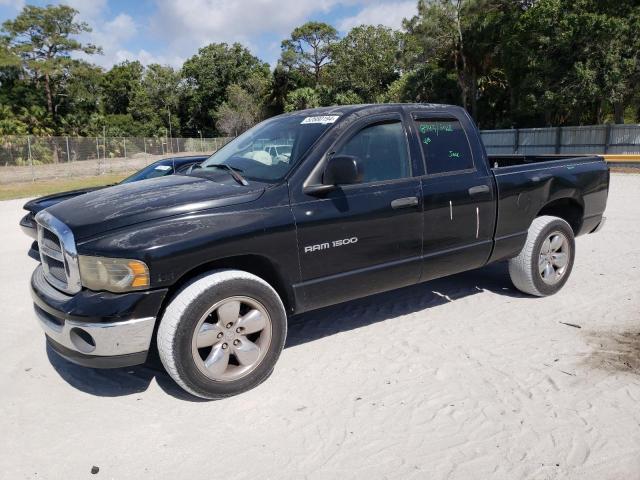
479	190
404	202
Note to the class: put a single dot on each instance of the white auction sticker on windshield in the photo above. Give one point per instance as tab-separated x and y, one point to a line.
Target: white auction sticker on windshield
163	168
321	119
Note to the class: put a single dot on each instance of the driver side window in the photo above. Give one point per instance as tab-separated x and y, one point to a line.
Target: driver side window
382	148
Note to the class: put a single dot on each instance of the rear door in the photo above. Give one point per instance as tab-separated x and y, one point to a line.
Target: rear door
459	196
364	238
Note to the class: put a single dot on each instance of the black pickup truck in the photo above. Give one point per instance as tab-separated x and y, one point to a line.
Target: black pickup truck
354	200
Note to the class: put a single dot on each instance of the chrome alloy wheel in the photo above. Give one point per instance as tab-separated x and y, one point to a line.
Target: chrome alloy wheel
231	338
554	258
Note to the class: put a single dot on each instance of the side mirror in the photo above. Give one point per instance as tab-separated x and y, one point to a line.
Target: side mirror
343	170
340	170
193	167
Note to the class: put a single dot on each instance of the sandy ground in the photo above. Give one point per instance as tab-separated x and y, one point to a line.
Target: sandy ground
460	378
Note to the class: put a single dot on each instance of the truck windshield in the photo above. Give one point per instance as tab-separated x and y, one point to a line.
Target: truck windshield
269	150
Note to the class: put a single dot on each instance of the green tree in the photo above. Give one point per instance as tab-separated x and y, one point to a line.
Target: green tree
155	101
37	120
282	82
43	38
15	91
7	57
309	49
79	97
207	77
10	124
439	30
119	85
348	98
366	61
577	60
301	99
238	113
616	56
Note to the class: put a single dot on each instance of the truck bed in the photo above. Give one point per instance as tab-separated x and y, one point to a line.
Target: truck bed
571	187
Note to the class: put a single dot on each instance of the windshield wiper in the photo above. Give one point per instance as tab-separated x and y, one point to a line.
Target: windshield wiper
232	171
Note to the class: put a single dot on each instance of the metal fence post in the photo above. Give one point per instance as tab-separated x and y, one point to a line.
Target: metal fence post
68	153
215	144
607	139
516	140
124	142
8	142
558	139
98	153
33	173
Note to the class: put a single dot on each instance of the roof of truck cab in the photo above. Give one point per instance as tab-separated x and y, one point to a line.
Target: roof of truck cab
373	107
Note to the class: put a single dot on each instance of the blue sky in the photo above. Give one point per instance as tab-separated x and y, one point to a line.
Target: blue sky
170	31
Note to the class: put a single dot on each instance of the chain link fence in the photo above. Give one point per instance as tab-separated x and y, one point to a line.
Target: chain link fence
590	140
29	158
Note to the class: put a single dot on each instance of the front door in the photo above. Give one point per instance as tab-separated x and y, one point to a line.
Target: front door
364	238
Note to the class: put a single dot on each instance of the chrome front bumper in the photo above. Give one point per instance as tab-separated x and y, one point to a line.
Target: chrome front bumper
96	329
99	339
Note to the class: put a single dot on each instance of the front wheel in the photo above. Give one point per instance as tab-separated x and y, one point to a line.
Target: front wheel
222	334
545	263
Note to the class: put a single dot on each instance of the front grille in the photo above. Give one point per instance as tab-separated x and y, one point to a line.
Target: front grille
56	269
52	258
51	241
41	285
58	253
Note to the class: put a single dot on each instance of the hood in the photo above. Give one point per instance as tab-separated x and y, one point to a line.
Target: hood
34	206
127	204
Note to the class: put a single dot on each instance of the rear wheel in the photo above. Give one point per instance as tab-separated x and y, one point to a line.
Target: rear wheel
545	263
222	334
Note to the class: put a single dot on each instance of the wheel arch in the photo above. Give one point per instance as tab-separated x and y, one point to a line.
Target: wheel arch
257	265
568	209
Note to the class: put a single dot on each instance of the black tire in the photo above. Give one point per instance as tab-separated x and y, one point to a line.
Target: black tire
186	310
525	270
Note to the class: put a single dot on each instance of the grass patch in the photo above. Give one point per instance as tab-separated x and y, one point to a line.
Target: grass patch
45	187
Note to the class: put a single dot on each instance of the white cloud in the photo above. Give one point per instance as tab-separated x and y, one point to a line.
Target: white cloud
147	58
89	10
387	14
180	27
190	24
187	25
116	31
110	33
112	36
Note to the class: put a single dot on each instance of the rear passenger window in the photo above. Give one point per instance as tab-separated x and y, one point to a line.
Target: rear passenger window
445	146
383	150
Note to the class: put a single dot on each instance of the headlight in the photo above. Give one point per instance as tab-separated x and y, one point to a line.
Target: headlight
113	274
